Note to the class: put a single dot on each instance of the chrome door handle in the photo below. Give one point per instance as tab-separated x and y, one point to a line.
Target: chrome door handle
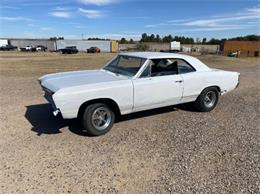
179	81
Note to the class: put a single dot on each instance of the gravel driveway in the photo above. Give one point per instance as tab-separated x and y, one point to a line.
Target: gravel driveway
168	150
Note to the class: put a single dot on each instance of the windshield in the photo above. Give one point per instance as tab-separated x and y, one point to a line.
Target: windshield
125	65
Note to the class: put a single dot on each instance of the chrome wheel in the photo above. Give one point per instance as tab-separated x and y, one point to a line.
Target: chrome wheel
101	118
210	99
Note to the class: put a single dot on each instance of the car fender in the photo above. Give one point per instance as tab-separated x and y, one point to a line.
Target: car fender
69	100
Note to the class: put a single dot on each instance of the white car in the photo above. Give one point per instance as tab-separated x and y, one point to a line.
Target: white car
133	82
28	48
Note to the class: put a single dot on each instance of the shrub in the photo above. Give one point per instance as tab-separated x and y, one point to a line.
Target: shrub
142	46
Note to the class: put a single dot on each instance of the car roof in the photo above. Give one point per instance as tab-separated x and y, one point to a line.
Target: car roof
196	63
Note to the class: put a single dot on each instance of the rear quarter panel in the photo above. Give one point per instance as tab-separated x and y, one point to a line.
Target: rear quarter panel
196	82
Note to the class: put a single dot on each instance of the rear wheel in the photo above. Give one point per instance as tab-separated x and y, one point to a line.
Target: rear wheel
207	100
98	119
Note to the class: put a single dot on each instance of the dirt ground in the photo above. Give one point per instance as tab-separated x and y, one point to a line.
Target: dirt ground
168	150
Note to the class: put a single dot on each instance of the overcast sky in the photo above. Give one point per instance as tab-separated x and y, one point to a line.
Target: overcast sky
128	18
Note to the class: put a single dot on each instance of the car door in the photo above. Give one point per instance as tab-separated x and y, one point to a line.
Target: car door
193	81
153	91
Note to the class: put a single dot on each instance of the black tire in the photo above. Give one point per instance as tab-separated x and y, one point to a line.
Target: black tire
88	118
207	100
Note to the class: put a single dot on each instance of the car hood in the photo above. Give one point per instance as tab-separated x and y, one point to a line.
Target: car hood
57	81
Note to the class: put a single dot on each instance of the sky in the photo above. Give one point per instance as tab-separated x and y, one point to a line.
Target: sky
114	19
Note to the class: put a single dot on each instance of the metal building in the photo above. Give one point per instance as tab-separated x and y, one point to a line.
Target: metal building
83	45
153	46
245	48
54	45
50	44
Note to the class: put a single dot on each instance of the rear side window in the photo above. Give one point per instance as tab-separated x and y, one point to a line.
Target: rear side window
184	67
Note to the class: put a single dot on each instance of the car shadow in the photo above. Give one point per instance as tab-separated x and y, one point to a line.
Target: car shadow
186	107
43	122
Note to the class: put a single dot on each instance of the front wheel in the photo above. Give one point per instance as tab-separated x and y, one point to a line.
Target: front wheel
207	100
98	119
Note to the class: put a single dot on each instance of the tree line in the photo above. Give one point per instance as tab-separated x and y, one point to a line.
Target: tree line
188	40
183	40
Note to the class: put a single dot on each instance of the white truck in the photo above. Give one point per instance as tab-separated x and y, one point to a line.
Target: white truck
3	42
175	46
133	82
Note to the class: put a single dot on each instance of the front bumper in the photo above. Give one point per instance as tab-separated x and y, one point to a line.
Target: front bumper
48	96
238	82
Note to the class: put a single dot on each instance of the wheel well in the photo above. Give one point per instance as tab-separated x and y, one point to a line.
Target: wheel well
214	86
109	102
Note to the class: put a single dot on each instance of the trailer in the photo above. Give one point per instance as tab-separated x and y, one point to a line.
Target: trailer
3	42
175	46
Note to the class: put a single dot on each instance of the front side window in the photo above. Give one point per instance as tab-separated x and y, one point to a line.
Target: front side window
125	65
146	72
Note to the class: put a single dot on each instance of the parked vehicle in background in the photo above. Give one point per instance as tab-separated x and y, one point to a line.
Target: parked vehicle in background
3	42
27	48
69	50
133	82
8	48
41	48
93	50
33	49
233	54
175	46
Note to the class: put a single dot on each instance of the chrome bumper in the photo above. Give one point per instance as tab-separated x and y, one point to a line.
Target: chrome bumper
56	112
238	82
48	96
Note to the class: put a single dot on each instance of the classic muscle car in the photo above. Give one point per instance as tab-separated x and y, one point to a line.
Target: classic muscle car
133	82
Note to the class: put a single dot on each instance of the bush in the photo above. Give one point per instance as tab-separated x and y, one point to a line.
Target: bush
142	46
